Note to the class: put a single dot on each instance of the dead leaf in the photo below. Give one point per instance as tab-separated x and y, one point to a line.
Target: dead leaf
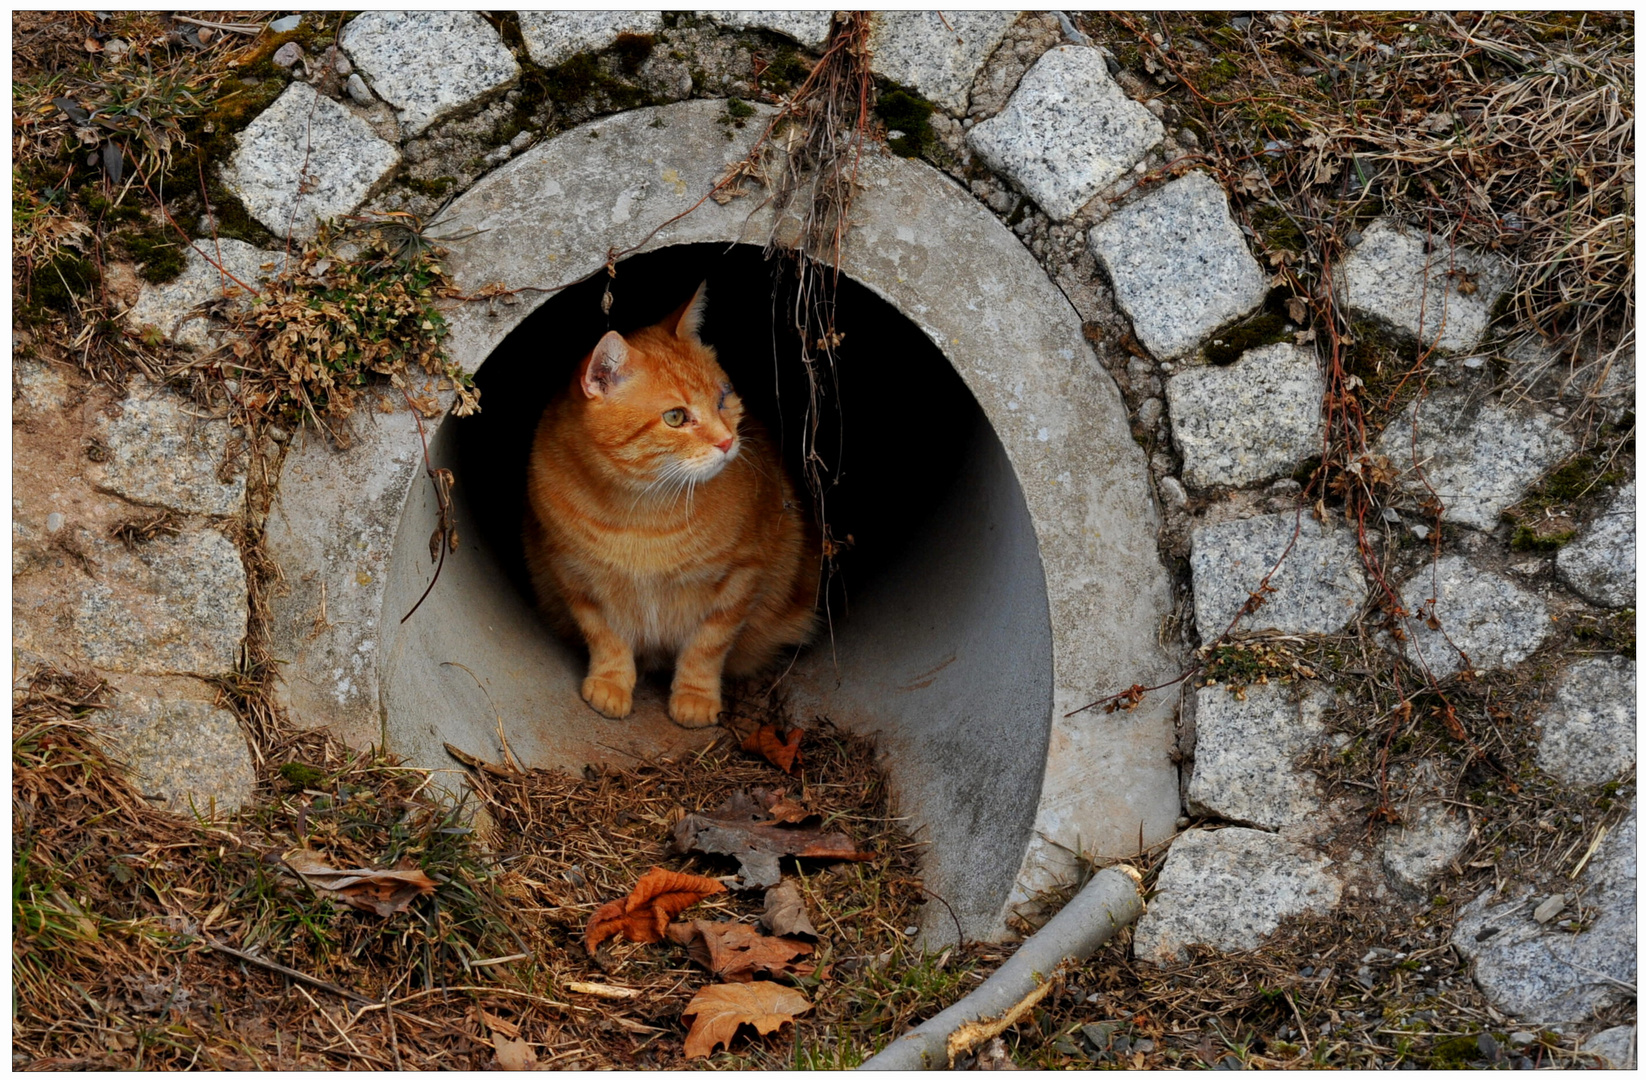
382	892
498	1024
743	829
738	952
513	1055
724	1007
92	45
781	750
786	912
786	810
644	914
1297	309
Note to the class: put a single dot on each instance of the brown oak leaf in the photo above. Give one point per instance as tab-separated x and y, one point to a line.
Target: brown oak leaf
644	914
738	952
786	912
781	750
382	892
724	1007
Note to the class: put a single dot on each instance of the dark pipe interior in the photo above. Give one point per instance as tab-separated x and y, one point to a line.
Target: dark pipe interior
892	422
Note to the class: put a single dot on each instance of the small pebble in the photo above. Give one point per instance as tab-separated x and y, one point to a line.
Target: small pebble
340	63
357	90
911	931
286	25
1548	909
520	141
54	521
288	54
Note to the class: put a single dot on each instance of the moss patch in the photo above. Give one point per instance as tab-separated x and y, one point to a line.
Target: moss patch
55	284
1265	328
632	50
157	250
1530	538
1276	228
433	188
581	77
786	72
902	111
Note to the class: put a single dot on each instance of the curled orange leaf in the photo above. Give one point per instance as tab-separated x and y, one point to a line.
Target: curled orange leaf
644	914
781	750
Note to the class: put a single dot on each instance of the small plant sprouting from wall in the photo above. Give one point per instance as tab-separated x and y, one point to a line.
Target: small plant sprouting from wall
321	329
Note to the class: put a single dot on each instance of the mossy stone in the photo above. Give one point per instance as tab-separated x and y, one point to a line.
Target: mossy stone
903	111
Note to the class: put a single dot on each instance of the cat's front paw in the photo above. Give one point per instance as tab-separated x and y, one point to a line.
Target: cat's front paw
608	698
691	709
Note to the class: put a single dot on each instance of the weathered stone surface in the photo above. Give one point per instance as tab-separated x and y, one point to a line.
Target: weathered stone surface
38	386
1316	589
1254	420
345	161
172	308
809	28
1480	457
917	49
164	453
1616	1047
174	605
331	527
1229	889
1543	973
1423	844
1390	278
1244	751
1589	727
553	37
1067	132
1497	624
1179	264
430	63
1600	565
189	755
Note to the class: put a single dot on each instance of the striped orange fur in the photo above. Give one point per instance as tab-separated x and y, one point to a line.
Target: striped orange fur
660	524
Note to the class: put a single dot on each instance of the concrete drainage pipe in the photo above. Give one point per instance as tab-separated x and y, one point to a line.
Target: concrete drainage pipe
1012	575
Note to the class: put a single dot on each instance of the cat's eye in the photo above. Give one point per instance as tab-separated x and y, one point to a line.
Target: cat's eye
674	417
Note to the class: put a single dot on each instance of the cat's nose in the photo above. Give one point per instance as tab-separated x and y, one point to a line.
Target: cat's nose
725	445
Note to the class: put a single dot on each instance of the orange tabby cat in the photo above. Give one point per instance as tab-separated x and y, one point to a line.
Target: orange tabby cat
660	522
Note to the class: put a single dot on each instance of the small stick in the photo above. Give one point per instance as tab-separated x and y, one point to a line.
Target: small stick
233	28
291	973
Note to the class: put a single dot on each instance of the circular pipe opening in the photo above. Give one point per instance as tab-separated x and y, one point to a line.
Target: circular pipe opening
937	634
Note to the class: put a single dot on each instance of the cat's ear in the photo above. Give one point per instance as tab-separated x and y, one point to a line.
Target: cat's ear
604	367
688	318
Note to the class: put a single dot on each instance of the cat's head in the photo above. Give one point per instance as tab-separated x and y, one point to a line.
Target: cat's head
657	402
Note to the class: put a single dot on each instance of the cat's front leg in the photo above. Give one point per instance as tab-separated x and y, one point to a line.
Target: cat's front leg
694	699
609	686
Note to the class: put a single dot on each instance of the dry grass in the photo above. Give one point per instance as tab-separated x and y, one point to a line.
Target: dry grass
146	940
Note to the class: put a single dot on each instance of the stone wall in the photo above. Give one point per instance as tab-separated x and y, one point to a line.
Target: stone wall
1076	158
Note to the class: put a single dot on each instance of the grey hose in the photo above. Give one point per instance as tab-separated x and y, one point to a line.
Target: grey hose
1112	899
